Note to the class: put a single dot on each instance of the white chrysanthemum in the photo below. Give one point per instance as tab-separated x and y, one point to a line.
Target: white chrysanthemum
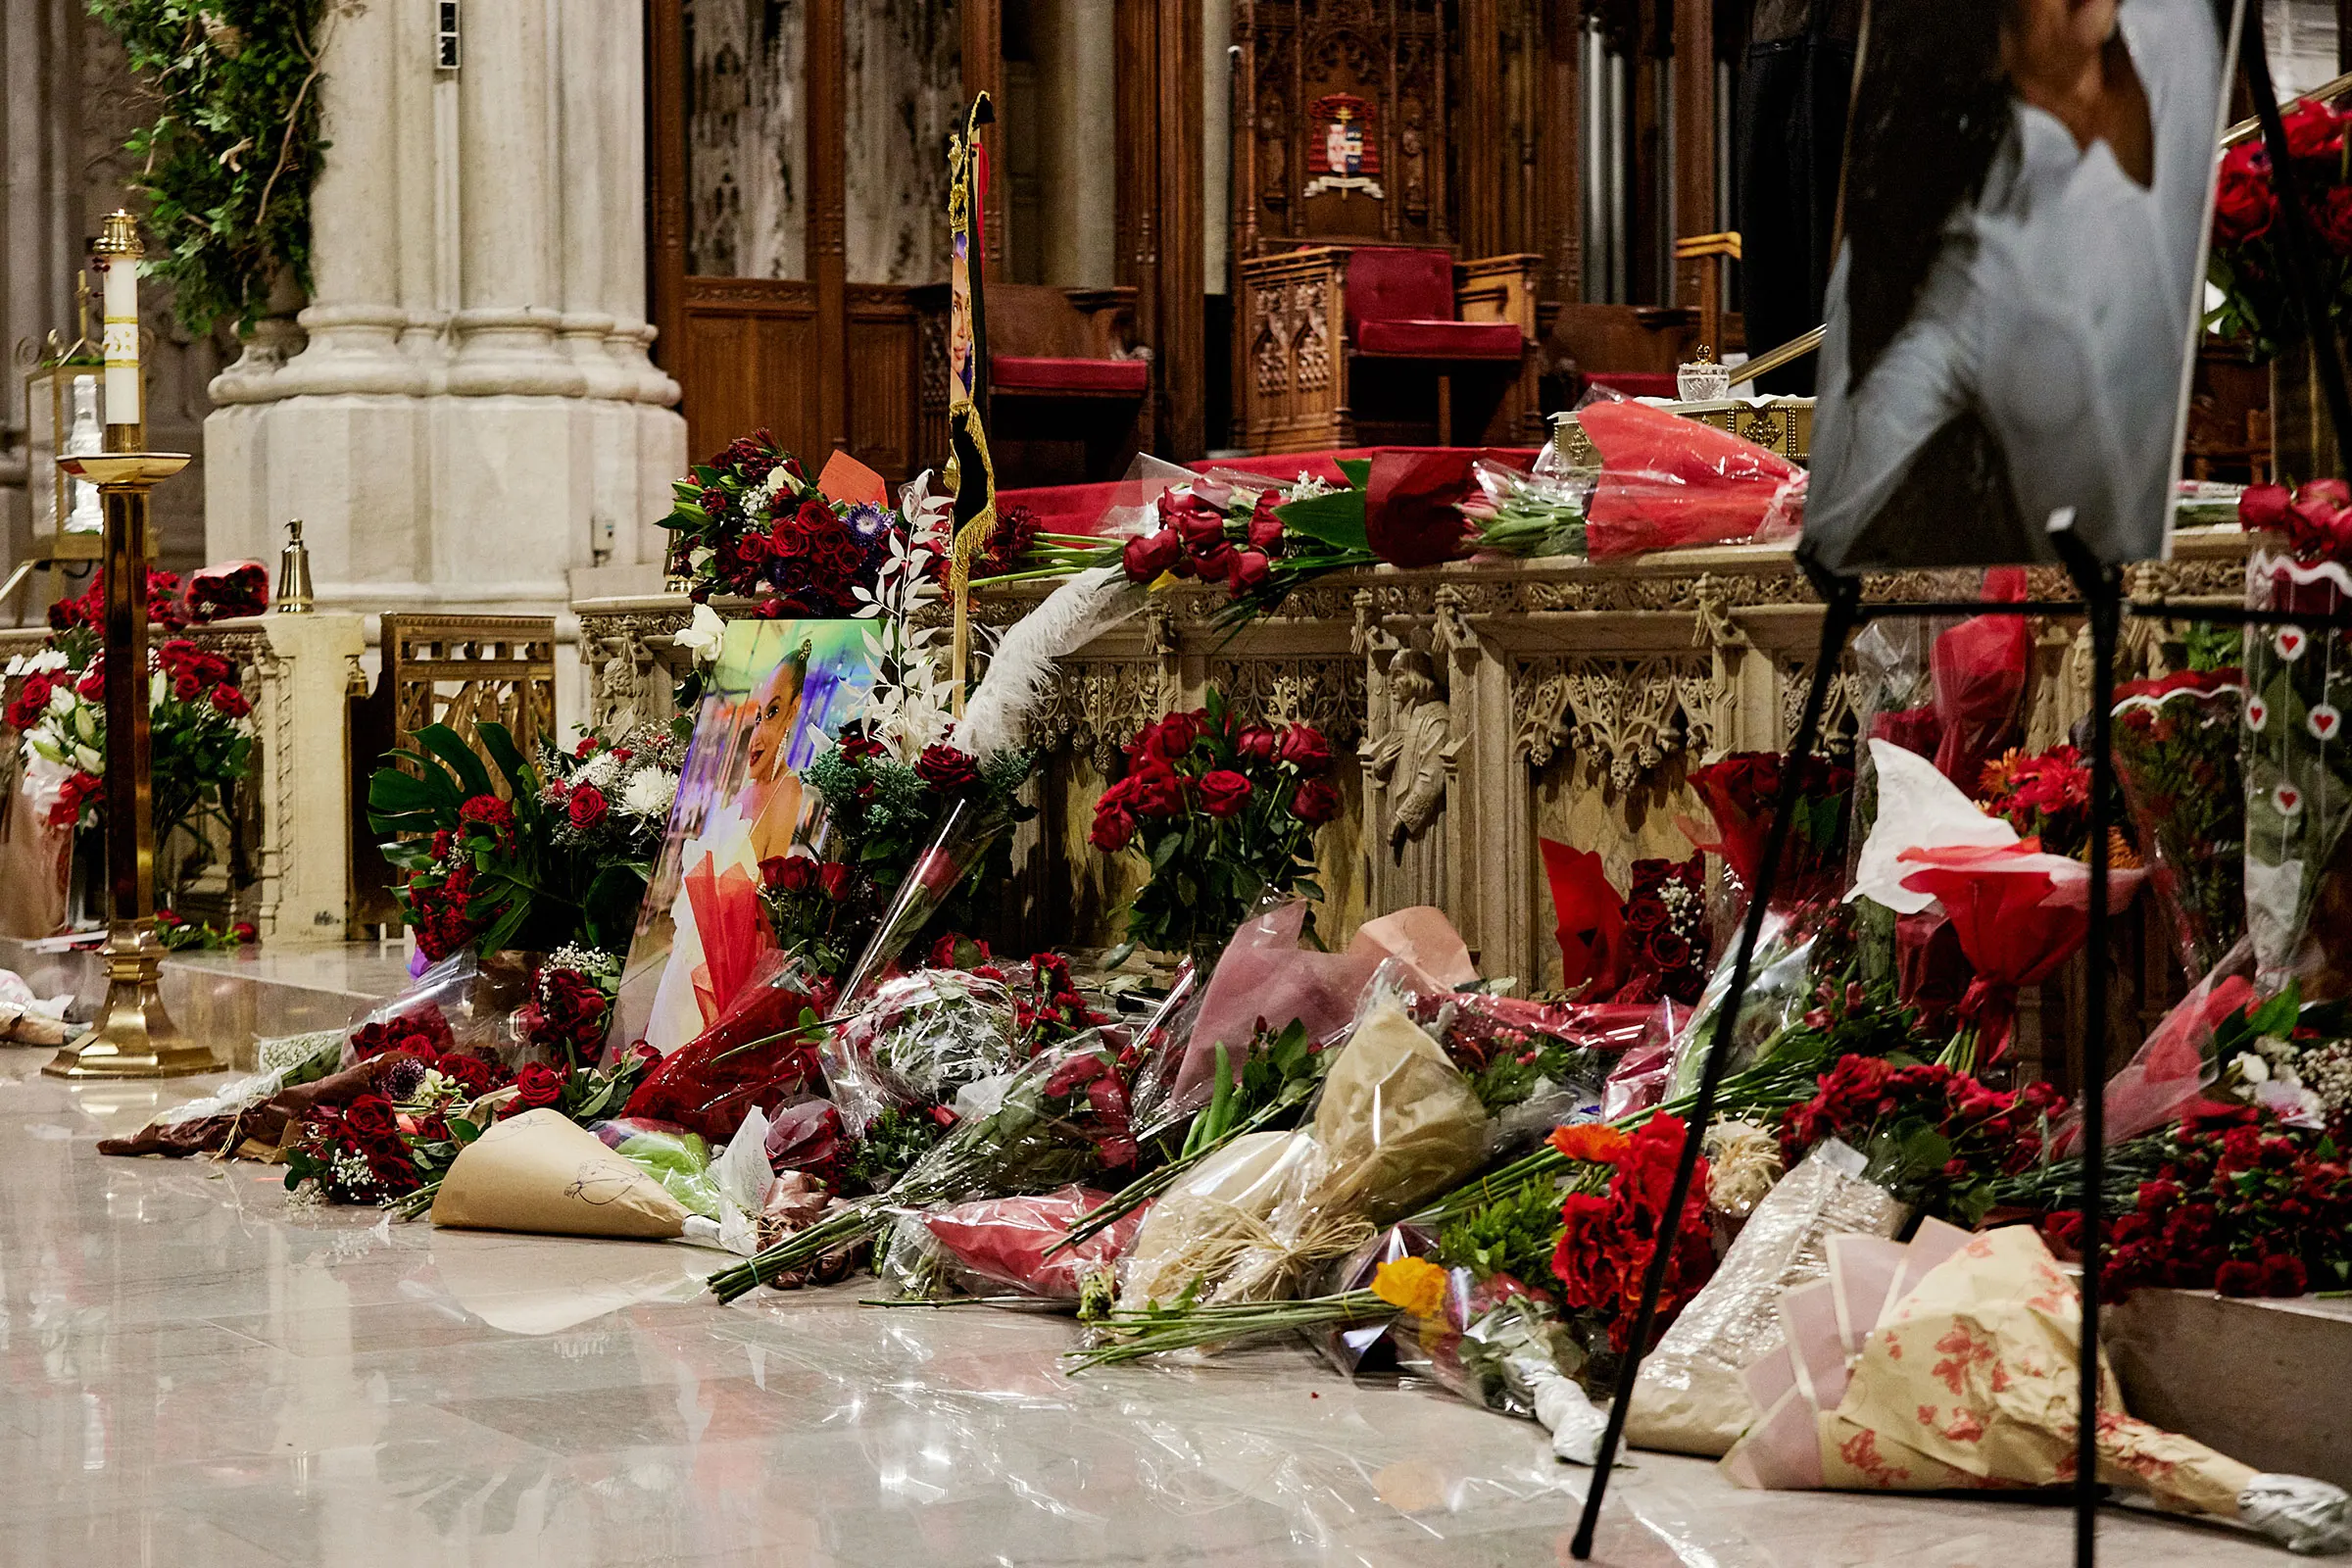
62	697
649	792
599	770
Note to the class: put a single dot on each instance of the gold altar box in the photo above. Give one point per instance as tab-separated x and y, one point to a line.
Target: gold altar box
1778	424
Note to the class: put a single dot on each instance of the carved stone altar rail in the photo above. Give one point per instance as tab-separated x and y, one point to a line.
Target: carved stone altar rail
1475	708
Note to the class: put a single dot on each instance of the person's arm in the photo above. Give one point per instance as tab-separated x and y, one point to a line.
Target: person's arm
1869	436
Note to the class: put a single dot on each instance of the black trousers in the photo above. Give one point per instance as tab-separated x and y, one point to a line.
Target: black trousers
1793	103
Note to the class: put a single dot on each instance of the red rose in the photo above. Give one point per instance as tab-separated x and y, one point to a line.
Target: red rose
1265	529
858	749
476	1076
1172	736
790	873
231	703
1252	570
2331	215
92	685
588	807
2264	506
2313	130
1644	913
1156	790
1147	556
539	1085
1201	530
947	769
30	700
245	932
370	1118
1304	749
2237	1277
2282	1275
835	881
1668	951
1223	792
1317	801
787	540
1255	742
1216	562
2243	204
1114	827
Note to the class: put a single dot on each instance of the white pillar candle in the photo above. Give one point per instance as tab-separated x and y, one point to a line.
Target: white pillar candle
118	250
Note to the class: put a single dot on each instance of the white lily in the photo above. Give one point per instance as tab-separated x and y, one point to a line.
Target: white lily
704	634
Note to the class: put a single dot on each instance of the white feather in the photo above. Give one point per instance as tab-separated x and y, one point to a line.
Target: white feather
1072	615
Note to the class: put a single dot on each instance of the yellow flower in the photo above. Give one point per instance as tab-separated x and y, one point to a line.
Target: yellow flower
1414	1286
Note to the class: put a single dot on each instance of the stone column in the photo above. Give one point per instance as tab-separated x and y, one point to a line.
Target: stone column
659	439
473	417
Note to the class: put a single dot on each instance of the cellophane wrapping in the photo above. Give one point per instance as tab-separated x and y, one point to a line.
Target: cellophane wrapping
1394	1123
2176	753
1691	1397
916	1040
2298	779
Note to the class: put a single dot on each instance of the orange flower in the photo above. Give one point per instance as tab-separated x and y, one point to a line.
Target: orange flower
1595	1142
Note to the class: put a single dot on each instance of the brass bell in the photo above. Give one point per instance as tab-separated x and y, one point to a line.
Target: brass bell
294	595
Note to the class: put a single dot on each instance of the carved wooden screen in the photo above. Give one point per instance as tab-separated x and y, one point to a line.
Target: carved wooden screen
1341	126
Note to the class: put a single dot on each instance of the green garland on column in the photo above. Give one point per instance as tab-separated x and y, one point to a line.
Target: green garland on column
227	164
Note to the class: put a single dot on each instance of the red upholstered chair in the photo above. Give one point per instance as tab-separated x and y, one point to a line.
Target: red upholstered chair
1069	396
1369	344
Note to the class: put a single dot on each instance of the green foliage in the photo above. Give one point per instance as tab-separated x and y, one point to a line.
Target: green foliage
893	1140
227	164
1515	1234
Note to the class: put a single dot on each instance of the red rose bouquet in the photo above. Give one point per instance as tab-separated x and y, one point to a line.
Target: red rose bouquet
1224	813
750	522
1648	947
2239	1205
884	816
393	1143
2019	915
571	1004
224	593
2243	263
2176	753
558	857
199	726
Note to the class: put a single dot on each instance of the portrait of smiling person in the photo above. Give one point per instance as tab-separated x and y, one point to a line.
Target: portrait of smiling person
1177	781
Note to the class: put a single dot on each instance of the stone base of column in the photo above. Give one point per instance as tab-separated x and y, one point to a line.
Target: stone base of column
413	502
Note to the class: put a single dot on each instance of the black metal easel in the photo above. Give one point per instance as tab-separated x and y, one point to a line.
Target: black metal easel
2103	604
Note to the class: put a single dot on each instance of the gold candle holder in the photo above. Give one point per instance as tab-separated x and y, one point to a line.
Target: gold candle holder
133	1036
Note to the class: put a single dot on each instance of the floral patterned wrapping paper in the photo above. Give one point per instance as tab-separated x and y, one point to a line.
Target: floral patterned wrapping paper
1970	1381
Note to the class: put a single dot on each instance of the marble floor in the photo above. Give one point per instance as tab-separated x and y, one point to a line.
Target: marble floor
198	1376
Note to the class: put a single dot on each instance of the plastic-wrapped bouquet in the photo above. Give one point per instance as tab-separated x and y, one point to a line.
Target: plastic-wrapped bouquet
1062	1117
2175	752
918	1039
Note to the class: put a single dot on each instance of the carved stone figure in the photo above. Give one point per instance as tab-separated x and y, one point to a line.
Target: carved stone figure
1411	760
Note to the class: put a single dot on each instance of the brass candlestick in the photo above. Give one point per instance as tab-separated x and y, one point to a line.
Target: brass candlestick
133	1037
